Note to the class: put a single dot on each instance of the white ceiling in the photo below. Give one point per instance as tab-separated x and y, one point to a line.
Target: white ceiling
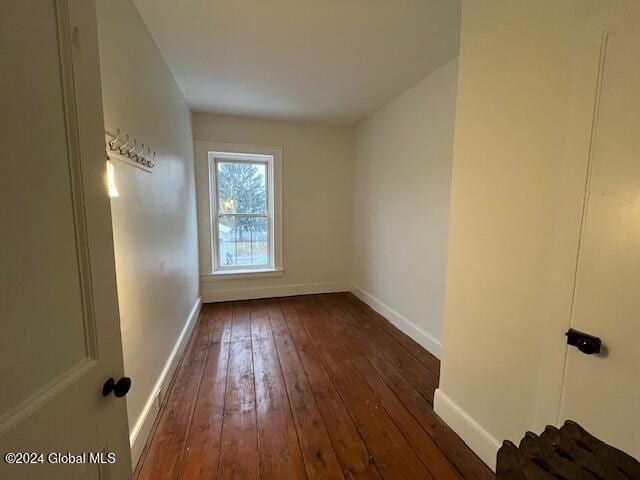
317	60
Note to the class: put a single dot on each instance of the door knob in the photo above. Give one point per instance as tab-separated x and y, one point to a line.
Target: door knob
119	388
587	344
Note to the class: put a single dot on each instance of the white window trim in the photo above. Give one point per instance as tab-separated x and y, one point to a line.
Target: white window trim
214	159
206	200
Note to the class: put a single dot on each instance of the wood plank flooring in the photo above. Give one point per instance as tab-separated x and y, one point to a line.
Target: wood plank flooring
310	387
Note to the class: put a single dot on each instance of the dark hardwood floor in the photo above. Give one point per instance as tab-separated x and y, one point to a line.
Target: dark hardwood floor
318	386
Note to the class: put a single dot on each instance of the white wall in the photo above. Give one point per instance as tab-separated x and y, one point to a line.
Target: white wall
317	163
402	178
154	218
520	156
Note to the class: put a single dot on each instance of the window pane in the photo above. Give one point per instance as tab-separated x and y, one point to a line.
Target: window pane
226	201
258	201
258	191
241	187
259	243
243	241
226	241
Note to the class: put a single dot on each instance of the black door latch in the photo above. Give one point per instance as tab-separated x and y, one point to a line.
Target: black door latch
586	343
119	388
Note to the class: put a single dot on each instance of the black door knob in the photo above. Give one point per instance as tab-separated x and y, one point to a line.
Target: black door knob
587	344
119	388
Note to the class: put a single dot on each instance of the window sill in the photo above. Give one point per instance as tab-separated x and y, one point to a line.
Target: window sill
239	274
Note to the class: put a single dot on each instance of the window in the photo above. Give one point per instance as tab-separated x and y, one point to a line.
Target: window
245	220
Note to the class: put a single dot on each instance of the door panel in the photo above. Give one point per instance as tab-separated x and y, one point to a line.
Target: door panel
61	337
602	392
40	243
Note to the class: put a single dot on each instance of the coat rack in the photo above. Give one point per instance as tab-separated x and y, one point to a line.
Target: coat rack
121	147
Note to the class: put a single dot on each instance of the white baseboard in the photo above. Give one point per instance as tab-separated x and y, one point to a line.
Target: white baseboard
144	424
476	437
426	340
211	293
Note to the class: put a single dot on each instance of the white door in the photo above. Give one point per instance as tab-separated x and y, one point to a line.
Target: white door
602	392
60	334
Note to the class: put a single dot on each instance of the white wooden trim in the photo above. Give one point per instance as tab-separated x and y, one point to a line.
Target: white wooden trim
240	274
144	424
212	294
203	186
40	398
425	339
476	437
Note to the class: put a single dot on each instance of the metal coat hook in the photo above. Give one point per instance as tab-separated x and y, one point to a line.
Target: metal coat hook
121	148
132	149
125	148
146	162
137	156
113	144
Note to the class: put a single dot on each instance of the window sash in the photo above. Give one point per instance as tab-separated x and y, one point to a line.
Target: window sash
217	215
242	161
